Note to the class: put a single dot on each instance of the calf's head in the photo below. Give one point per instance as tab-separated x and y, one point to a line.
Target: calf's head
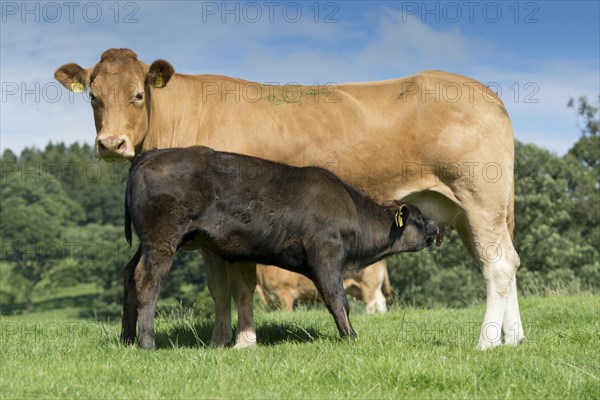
119	88
411	231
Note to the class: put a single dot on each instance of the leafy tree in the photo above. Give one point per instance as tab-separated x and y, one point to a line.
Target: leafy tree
549	218
98	254
8	157
62	217
34	213
586	151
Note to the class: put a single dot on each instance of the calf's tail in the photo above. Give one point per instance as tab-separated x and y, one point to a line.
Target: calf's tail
128	233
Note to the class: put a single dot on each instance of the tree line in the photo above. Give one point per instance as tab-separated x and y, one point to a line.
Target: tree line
61	212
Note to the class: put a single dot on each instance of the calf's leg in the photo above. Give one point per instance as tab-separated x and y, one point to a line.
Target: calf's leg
328	279
149	274
129	317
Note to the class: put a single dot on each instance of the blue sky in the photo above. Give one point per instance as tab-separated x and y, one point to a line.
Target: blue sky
538	54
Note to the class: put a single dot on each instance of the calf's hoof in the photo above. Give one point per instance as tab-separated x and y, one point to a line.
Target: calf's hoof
350	335
215	344
127	339
221	338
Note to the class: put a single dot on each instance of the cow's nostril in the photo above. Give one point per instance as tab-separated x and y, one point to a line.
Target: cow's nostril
121	145
101	147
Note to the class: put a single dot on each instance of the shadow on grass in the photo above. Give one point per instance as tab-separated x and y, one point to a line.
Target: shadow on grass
198	334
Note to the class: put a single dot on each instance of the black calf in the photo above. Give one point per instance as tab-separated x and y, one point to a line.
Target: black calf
244	208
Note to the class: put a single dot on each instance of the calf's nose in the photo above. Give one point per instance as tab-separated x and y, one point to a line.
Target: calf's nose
432	228
431	232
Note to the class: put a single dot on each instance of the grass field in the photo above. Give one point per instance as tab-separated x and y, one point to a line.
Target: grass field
407	353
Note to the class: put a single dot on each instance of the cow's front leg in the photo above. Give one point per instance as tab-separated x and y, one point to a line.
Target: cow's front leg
242	283
129	317
218	285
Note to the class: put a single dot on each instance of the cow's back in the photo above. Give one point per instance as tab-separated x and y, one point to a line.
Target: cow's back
367	133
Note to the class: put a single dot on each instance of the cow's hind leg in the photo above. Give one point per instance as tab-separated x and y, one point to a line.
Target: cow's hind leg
373	278
242	282
494	250
286	300
376	301
129	317
218	285
149	274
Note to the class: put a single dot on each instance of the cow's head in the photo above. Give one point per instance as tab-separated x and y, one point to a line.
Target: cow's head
118	88
411	231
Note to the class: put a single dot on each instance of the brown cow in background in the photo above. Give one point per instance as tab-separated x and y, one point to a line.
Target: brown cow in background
371	285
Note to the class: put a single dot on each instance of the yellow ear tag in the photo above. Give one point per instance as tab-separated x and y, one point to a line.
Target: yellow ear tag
159	80
398	219
76	87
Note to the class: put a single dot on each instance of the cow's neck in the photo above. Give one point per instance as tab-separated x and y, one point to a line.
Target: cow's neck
171	113
204	110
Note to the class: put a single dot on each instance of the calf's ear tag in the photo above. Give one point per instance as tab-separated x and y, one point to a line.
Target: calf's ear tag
398	218
158	82
76	87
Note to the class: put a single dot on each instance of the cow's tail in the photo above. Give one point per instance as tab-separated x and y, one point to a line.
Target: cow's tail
510	220
386	287
510	214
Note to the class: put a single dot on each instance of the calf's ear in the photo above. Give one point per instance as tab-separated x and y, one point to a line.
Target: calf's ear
401	215
73	77
159	74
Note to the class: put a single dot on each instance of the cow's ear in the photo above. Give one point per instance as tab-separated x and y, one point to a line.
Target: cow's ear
73	77
159	74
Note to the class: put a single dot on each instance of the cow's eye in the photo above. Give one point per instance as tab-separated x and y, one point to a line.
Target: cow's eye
139	96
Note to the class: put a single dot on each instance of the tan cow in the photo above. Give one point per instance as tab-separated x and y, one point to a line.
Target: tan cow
441	141
371	285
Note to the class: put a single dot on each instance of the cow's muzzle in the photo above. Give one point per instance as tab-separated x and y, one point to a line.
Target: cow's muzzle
114	148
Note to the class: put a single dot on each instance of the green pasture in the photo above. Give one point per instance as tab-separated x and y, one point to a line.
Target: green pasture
407	353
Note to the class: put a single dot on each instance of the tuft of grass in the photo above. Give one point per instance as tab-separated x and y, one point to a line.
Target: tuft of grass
407	353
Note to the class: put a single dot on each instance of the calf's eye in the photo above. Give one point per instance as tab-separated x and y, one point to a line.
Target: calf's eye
139	96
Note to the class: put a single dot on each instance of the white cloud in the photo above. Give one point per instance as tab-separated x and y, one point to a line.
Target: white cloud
536	98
